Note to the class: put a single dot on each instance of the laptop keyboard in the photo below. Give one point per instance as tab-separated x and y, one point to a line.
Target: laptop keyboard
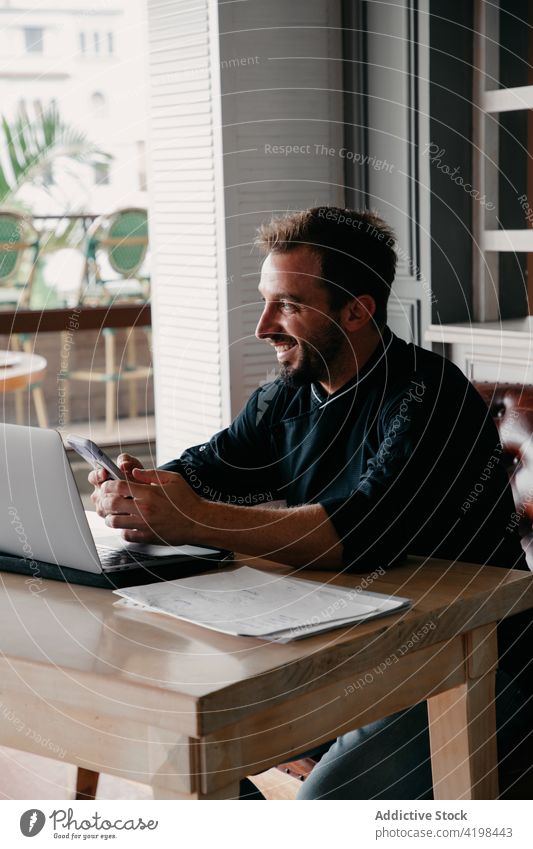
118	560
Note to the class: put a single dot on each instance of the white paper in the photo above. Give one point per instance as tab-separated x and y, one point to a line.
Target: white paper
389	605
249	602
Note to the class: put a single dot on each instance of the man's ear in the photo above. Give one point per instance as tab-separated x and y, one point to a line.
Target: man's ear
358	312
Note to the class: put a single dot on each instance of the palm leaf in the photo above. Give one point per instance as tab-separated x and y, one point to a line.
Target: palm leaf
28	148
11	148
5	188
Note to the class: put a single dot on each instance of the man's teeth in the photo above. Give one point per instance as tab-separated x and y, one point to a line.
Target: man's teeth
284	347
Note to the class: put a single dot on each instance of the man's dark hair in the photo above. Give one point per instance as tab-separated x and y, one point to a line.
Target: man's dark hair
356	249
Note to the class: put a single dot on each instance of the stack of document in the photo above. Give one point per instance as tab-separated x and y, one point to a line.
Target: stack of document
249	602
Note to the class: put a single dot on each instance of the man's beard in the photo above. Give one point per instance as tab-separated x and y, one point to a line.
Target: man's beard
316	360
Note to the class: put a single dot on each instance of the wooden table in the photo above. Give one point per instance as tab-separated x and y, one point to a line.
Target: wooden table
190	711
27	370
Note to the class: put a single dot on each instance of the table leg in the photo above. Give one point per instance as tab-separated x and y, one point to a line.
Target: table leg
19	406
132	365
86	783
462	727
183	769
111	387
40	406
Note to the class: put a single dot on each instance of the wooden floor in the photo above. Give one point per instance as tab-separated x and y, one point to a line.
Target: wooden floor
25	776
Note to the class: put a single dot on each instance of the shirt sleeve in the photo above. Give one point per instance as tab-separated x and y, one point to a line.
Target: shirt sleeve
236	465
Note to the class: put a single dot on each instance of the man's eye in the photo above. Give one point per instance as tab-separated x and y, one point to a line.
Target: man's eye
287	306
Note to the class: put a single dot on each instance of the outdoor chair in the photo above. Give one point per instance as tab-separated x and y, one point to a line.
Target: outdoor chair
19	248
116	253
117	247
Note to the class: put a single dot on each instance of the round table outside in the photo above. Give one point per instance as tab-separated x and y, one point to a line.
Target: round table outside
19	370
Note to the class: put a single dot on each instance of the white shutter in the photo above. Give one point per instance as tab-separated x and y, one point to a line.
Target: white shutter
186	224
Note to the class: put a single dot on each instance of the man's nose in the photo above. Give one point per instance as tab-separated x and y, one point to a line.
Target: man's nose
268	324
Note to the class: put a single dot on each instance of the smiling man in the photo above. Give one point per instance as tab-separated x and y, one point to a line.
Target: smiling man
314	339
374	445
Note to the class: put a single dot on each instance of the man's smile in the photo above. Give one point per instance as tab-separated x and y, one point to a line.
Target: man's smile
282	348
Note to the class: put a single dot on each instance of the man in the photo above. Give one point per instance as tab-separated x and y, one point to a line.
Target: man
377	447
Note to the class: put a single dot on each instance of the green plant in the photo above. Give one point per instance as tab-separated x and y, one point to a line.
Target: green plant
30	147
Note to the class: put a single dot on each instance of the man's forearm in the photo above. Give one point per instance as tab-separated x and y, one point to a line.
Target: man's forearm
298	536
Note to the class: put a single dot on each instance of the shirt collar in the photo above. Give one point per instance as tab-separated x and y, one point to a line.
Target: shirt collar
378	358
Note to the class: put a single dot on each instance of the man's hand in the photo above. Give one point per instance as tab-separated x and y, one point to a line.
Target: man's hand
151	507
126	463
159	507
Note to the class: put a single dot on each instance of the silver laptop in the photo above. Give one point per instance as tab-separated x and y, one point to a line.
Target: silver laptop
42	516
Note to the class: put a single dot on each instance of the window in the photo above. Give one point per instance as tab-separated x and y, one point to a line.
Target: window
96	42
33	39
502	212
101	174
83	42
110	42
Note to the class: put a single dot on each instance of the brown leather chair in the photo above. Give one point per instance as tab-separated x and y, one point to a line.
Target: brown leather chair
511	405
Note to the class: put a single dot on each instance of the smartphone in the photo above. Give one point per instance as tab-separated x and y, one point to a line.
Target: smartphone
94	455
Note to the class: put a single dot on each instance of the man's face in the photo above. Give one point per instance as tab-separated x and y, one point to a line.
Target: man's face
297	318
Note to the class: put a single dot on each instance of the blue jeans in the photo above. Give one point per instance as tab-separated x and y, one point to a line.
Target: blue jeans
390	759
